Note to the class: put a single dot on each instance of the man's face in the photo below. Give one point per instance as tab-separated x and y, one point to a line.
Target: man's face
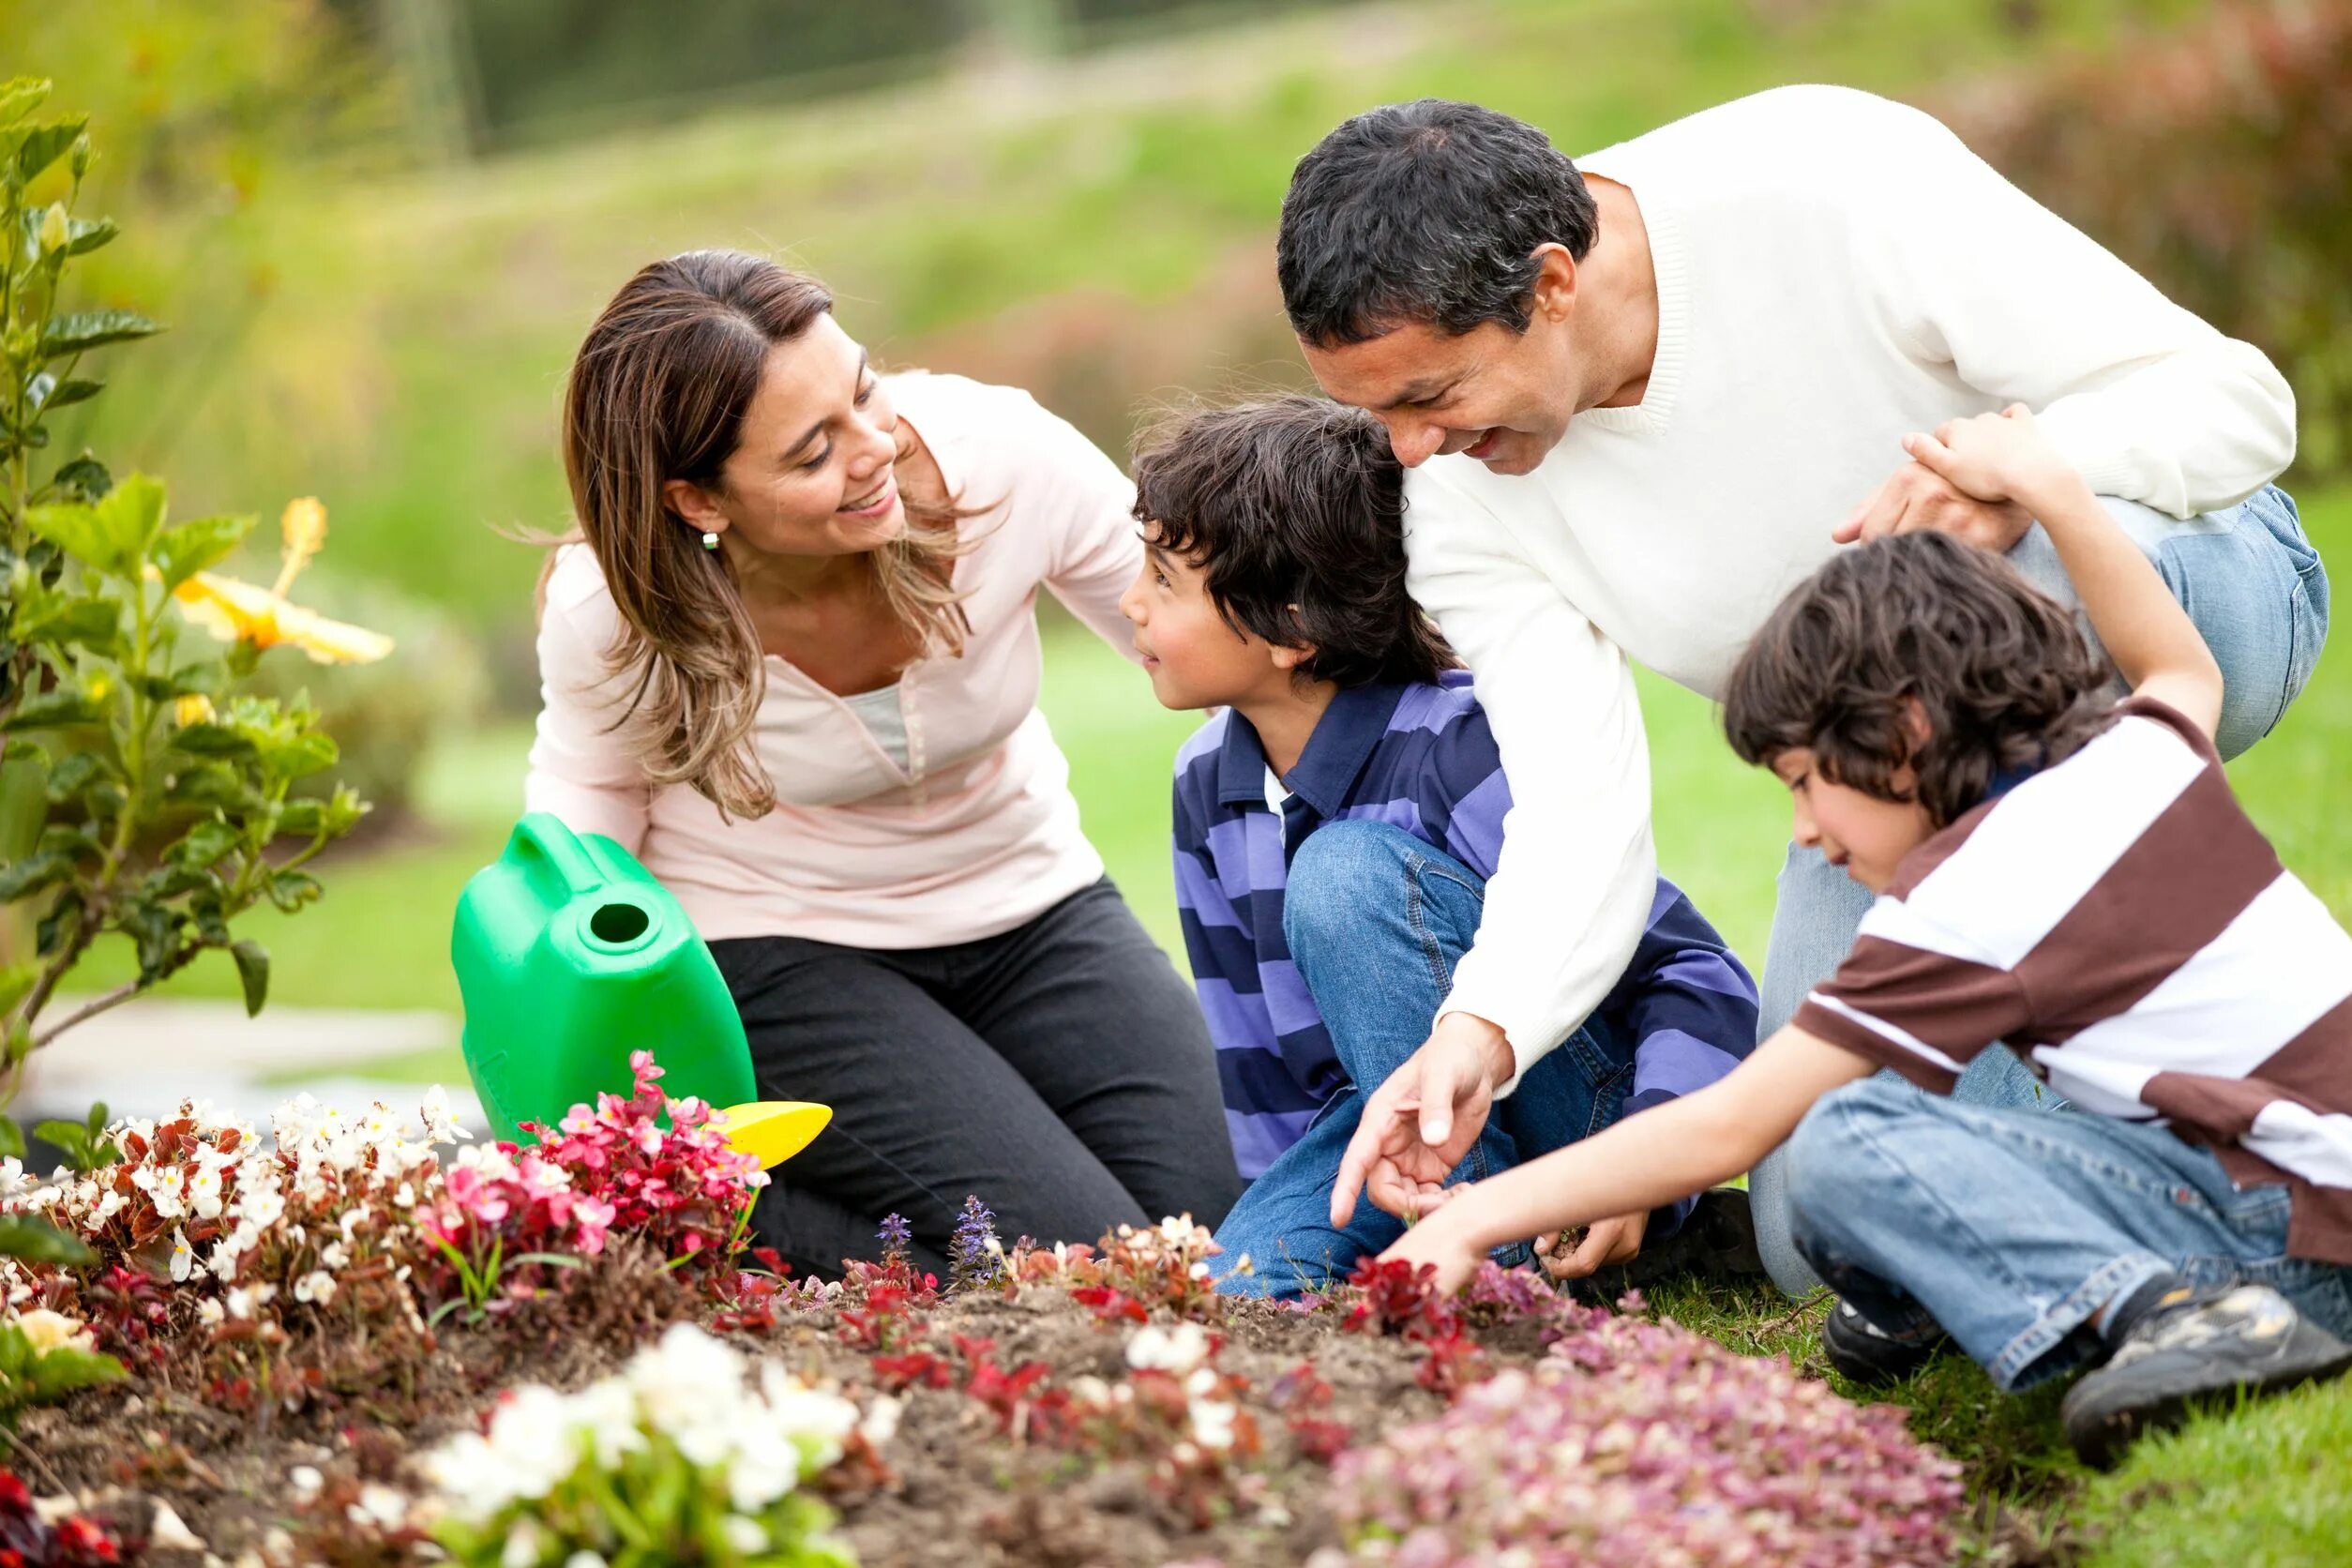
1502	397
1862	835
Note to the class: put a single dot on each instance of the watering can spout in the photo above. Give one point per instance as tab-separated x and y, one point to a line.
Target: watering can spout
569	957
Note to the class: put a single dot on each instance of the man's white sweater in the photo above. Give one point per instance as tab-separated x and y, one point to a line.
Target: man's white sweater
1833	270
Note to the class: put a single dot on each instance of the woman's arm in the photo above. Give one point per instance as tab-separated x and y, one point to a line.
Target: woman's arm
1684	1146
2154	645
580	769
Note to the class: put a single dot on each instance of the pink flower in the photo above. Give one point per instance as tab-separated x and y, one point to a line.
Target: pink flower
592	1218
641	1067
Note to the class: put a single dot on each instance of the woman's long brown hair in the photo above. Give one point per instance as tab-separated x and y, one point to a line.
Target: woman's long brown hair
658	393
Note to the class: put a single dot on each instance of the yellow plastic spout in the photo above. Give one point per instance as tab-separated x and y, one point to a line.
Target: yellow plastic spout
774	1130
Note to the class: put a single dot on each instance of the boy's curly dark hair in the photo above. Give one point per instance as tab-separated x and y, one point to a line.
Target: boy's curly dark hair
2000	674
1293	509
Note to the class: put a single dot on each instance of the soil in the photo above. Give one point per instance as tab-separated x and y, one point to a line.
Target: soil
956	1491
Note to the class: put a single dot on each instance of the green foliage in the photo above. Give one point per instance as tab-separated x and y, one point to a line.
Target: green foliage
36	1241
141	793
30	1375
2215	162
83	1144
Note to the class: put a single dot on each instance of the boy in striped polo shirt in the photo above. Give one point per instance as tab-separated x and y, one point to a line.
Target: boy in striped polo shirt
1335	825
2067	874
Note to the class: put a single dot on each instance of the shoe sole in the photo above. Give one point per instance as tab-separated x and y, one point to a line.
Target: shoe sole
1868	1362
2102	1438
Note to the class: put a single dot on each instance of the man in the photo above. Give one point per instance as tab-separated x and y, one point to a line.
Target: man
1643	398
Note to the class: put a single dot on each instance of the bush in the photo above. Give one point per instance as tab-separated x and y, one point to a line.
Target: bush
2219	163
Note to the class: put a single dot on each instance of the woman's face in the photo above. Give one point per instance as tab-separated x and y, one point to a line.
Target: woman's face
811	472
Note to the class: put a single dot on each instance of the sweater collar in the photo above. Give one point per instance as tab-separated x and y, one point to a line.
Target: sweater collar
1333	759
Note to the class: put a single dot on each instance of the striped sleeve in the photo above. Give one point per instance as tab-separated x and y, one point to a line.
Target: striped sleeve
1688	1001
1924	1013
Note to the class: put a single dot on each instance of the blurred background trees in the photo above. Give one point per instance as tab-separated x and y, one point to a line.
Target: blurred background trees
379	227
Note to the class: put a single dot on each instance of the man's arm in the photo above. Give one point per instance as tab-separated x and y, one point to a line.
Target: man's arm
1686	1146
2143	400
2154	645
1571	887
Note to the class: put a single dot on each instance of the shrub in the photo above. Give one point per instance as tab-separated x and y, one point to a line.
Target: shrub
2215	162
141	790
1637	1441
676	1459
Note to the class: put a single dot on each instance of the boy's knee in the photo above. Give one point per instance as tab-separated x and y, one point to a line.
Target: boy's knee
1343	870
1828	1162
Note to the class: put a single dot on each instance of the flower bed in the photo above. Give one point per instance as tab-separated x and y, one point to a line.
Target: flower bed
361	1346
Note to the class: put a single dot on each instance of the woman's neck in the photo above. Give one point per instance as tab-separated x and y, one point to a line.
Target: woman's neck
786	581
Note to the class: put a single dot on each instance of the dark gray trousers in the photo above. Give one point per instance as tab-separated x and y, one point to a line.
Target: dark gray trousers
1060	1071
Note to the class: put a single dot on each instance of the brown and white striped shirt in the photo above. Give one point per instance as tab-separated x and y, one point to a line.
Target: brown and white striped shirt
2121	924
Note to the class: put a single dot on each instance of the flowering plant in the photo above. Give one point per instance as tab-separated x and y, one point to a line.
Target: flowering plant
506	1213
678	1458
45	1355
1639	1441
252	1235
29	1541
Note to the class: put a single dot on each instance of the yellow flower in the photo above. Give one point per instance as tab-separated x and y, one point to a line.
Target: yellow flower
195	708
54	1331
236	612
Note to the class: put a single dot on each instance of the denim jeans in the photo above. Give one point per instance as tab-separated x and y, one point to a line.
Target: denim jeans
2257	591
2012	1228
1375	920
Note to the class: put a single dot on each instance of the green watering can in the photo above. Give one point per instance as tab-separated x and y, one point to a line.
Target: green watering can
570	956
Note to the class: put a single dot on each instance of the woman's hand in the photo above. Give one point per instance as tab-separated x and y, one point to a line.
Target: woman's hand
1606	1241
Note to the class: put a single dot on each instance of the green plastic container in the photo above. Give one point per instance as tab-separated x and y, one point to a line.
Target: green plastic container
570	956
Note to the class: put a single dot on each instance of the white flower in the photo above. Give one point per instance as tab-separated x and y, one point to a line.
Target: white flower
317	1285
608	1412
335	1254
204	1192
378	1505
1213	1422
306	1482
183	1257
1178	1350
880	1422
209	1313
261	1207
1176	1230
522	1544
12	1178
679	1379
47	1331
404	1196
585	1558
746	1537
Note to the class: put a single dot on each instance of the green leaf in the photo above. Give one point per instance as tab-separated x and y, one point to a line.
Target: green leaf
290	890
68	393
11	1137
304	817
85	621
302	755
20	97
208	843
185	549
63	1370
22	878
16	983
209	784
39	1241
85	476
23	800
76	531
96	1120
253	972
85	330
44	144
53	710
85	235
212	740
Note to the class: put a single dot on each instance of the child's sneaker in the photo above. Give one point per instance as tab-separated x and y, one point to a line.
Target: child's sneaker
2190	1346
1872	1356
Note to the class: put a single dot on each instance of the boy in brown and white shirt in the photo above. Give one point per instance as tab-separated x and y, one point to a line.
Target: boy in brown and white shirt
2059	871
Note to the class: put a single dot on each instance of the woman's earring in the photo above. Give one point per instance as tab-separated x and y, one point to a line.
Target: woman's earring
710	540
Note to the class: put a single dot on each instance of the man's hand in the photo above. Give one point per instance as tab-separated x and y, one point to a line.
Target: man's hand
1418	1125
1916	496
1994	456
1606	1241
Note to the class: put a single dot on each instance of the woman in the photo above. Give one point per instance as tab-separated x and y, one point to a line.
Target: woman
793	664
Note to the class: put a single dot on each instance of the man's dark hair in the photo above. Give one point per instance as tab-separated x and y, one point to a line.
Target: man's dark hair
1999	671
1293	510
1425	212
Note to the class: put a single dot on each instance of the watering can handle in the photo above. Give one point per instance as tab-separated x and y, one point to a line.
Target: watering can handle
559	854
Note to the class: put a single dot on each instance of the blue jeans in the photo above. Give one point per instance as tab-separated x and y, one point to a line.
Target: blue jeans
2012	1228
2257	593
1375	920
